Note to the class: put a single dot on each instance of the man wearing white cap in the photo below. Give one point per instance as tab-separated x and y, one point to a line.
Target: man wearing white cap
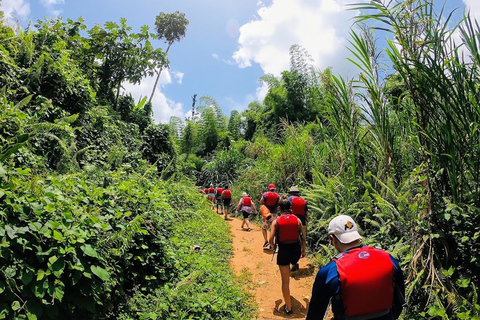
361	282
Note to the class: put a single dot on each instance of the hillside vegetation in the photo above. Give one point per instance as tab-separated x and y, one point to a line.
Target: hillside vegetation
100	214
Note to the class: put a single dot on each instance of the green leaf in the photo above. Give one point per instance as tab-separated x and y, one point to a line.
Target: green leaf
57	235
59	290
2	286
57	267
100	272
40	274
89	251
463	283
16	305
3	172
26	276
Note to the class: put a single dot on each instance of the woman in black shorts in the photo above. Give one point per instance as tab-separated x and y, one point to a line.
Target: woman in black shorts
287	232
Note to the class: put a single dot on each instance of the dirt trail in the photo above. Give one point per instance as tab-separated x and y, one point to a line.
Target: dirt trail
254	264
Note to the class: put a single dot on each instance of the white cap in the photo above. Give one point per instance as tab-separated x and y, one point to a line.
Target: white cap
344	228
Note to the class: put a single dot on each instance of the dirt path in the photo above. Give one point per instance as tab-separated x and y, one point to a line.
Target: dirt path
261	275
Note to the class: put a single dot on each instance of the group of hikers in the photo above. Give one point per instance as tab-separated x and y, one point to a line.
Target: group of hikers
360	283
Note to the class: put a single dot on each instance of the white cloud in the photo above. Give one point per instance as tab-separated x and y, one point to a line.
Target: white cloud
321	27
474	7
262	92
163	108
15	9
215	56
49	5
179	76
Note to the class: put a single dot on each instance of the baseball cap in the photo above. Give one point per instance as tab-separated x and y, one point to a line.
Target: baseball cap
271	186
344	228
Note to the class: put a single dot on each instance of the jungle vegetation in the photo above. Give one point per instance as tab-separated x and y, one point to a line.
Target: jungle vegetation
96	199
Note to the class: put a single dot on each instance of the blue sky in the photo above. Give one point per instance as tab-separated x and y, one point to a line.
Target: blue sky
228	46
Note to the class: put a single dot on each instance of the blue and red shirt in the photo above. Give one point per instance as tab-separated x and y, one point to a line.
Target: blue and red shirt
328	285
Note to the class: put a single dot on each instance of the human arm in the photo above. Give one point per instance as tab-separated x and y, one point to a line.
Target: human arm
300	230
240	203
273	232
399	289
325	286
262	199
254	208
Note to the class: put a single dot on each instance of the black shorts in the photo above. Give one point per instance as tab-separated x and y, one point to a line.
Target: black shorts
288	253
226	202
245	214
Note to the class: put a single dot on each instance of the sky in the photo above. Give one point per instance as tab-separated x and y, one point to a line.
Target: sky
229	44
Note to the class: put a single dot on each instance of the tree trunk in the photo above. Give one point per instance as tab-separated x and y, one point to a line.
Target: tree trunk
158	76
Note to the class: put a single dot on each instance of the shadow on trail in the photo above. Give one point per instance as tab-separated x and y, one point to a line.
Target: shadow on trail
297	307
305	272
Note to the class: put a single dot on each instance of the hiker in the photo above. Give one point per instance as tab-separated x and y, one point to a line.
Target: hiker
218	199
300	209
267	219
245	205
211	195
361	282
226	198
206	192
287	232
270	200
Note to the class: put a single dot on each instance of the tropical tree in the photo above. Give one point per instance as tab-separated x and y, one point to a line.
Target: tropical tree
171	27
123	56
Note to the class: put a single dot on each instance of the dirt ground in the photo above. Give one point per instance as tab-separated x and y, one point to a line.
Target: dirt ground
260	275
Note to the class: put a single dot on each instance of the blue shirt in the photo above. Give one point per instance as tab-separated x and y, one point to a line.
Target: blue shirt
327	285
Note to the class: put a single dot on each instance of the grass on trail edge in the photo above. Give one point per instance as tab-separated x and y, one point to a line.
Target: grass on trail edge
205	287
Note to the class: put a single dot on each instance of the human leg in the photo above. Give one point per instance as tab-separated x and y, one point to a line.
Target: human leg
285	275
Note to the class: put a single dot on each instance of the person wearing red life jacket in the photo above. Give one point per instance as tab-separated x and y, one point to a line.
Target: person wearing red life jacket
218	199
226	199
287	232
246	205
205	191
270	200
211	195
300	209
362	282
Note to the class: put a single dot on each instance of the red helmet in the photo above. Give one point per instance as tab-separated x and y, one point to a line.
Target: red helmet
271	186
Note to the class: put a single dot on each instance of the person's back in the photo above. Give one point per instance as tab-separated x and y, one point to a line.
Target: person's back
270	199
361	282
226	198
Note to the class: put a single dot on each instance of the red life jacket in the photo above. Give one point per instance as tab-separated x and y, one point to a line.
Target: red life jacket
247	201
211	190
227	194
271	198
219	192
298	206
205	190
366	281
287	228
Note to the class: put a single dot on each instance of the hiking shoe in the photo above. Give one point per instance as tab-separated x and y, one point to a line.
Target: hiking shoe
289	312
265	244
269	248
295	267
249	229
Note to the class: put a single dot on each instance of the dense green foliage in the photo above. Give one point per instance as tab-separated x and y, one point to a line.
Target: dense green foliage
90	227
96	200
